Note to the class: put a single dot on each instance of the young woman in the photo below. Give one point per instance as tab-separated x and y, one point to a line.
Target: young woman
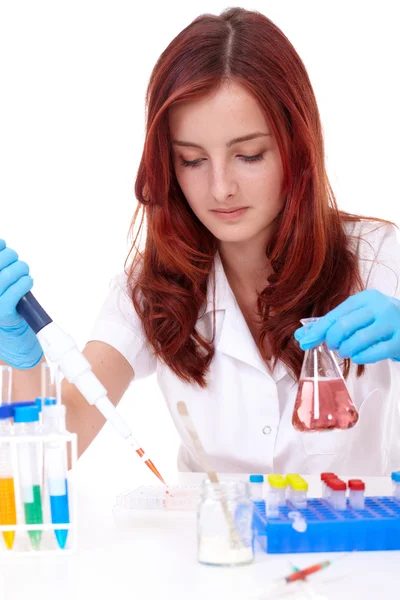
243	239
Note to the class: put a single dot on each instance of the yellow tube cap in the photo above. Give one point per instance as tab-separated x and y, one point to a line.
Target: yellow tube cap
277	481
297	482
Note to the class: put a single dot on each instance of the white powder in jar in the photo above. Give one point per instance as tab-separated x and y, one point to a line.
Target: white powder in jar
217	550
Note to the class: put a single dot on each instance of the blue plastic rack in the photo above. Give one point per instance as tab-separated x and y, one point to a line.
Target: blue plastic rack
377	527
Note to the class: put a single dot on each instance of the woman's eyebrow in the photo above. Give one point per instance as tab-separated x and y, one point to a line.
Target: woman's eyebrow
243	138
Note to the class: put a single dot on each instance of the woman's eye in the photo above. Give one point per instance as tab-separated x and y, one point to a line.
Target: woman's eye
191	163
196	163
253	158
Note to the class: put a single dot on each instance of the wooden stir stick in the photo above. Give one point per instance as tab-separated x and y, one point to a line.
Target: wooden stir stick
203	460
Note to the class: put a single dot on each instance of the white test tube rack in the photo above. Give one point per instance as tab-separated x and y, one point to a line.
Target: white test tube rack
49	546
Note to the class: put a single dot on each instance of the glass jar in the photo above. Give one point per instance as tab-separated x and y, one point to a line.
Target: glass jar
217	544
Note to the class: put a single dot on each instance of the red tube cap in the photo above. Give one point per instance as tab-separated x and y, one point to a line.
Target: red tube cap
337	485
325	476
356	485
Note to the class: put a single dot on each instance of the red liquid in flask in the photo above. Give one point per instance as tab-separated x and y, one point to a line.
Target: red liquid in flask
330	408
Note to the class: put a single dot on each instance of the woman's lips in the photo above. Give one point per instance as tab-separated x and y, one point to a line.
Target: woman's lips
231	215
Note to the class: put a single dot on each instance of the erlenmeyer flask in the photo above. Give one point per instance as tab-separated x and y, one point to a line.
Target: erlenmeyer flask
323	402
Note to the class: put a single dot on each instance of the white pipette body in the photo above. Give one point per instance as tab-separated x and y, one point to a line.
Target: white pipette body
60	348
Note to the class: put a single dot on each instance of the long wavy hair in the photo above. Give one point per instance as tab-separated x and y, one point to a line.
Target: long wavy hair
313	266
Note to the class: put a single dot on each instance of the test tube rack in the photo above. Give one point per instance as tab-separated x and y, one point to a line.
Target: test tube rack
377	527
156	497
48	546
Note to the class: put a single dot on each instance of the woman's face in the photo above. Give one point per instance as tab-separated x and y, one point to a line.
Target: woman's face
217	173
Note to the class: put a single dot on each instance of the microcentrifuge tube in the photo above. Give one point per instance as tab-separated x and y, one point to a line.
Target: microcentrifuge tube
323	402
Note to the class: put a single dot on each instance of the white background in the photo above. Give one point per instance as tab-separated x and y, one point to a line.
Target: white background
73	80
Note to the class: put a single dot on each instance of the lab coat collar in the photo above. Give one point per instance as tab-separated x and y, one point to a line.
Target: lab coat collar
233	336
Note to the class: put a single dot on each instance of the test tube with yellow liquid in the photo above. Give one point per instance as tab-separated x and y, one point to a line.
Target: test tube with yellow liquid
8	514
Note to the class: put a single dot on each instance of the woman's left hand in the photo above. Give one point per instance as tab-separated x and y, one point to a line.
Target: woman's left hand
365	328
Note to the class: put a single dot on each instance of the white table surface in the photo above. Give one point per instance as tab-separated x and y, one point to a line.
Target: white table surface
153	556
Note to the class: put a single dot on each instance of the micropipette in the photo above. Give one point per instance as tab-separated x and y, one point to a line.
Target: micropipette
60	348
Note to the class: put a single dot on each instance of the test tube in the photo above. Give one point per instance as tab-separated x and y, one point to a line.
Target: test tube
357	494
278	483
8	514
289	489
337	493
5	384
272	504
256	487
257	493
53	413
50	381
396	484
324	487
299	491
56	468
26	422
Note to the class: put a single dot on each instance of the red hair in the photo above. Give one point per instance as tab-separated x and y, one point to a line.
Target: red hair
314	268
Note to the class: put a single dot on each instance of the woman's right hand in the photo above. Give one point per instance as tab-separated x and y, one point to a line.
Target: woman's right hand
19	346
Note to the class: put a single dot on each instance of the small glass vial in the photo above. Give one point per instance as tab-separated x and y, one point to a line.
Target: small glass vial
215	543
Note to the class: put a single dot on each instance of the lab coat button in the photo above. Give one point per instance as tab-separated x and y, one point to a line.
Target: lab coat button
267	430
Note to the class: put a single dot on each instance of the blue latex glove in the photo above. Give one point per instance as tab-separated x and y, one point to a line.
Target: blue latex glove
19	346
365	328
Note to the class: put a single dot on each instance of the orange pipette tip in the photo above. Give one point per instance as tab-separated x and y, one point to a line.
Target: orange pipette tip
151	466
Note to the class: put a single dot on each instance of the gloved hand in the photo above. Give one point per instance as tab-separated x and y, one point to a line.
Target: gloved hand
365	328
19	346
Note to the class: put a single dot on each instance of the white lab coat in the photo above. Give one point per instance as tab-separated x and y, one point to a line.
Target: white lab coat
244	416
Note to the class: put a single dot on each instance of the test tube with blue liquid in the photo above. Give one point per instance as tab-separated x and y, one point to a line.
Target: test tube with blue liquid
26	422
53	414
